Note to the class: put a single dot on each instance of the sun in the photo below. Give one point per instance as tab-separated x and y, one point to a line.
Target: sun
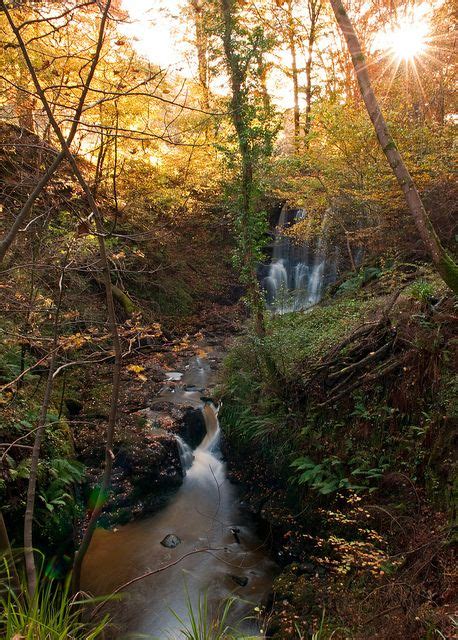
408	40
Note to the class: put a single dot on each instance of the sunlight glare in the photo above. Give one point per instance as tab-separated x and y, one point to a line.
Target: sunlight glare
408	41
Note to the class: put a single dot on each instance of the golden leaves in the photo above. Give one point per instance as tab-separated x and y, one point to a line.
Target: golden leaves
75	341
138	371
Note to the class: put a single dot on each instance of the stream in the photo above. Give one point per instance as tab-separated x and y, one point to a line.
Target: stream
204	513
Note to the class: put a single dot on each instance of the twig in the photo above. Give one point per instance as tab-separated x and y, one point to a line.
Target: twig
153	572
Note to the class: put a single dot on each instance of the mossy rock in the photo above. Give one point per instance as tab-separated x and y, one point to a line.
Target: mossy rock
73	406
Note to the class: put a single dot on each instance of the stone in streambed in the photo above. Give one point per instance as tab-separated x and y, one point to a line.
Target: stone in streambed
170	541
242	581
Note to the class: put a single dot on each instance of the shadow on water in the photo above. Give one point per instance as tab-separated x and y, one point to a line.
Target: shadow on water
203	514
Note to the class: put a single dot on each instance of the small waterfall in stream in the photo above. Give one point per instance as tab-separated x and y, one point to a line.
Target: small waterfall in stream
206	450
297	273
186	453
202	515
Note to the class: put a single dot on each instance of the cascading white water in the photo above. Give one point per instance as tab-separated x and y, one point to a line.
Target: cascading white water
186	453
296	274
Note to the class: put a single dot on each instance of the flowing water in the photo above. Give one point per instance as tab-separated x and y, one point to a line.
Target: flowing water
204	513
298	272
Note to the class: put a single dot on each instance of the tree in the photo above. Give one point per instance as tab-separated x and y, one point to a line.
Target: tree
31	574
44	180
292	36
443	262
241	49
201	44
314	10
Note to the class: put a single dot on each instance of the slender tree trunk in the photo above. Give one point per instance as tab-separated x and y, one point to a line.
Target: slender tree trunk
32	485
314	7
9	237
294	74
202	50
112	419
237	76
262	73
42	417
443	262
308	86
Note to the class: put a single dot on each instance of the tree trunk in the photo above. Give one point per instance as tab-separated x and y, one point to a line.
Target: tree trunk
32	485
444	263
202	50
41	423
314	7
294	74
237	77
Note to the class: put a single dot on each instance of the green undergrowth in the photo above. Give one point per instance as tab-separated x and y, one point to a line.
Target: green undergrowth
352	481
59	473
51	614
377	427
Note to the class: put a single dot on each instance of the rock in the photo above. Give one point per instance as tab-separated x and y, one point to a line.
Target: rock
242	581
235	532
74	406
192	387
171	541
192	426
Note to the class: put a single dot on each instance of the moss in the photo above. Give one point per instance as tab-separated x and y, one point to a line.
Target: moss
449	271
173	299
390	146
295	338
124	300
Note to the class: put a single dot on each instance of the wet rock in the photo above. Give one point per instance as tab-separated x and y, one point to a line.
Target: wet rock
242	581
192	387
235	532
192	427
171	541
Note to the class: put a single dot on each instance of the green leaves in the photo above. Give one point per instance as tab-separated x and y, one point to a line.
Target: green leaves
331	474
57	494
325	477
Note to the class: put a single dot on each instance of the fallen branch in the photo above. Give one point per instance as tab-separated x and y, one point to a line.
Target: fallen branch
151	573
373	355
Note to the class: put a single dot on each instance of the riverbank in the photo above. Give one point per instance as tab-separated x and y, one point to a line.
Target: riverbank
336	460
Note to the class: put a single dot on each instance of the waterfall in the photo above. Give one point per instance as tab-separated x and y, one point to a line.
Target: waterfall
298	271
211	440
209	444
186	454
